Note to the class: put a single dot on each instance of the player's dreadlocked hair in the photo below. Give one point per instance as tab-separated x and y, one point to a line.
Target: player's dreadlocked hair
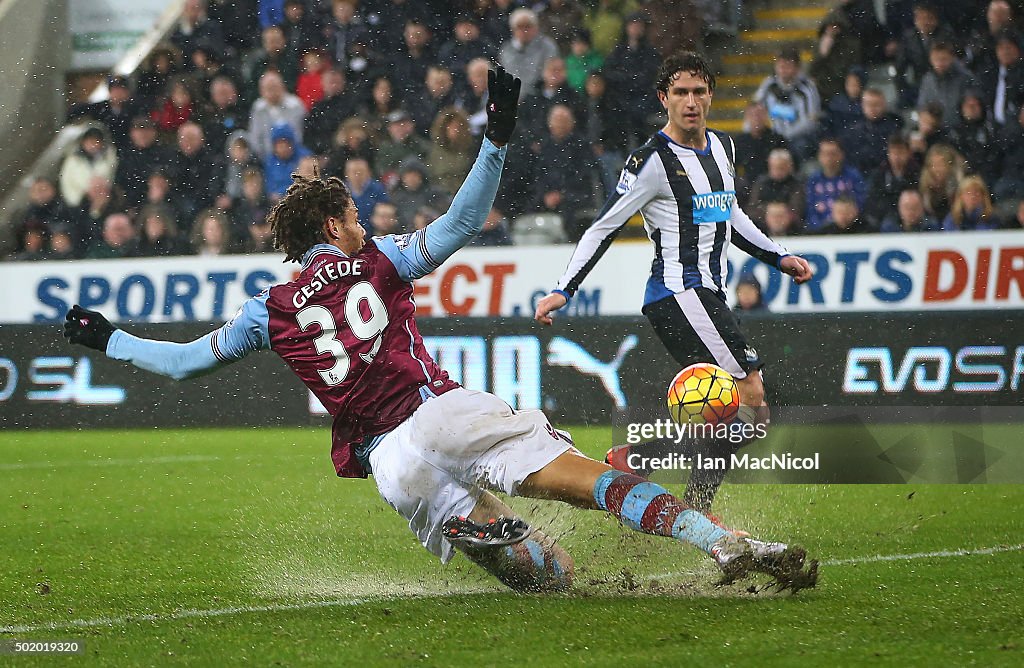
297	219
684	61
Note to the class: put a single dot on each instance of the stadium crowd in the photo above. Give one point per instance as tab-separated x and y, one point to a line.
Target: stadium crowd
189	155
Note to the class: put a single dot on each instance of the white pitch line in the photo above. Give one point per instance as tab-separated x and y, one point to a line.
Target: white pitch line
336	603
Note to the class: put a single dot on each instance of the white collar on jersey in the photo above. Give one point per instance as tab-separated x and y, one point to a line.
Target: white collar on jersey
320	248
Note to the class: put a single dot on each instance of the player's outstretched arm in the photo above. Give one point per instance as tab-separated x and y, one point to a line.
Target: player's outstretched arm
419	254
246	332
756	243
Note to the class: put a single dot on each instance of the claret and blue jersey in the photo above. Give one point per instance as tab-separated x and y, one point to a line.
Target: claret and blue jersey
688	202
345	325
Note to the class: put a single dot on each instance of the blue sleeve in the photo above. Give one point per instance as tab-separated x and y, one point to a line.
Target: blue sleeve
248	331
423	251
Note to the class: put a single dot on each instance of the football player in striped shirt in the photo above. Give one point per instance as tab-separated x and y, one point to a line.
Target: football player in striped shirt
682	181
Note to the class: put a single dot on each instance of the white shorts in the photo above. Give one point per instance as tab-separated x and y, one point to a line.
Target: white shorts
434	465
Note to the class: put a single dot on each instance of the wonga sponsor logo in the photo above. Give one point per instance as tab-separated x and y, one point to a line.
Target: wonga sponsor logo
713	207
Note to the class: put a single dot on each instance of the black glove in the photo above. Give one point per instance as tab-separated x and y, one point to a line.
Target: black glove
502	104
87	328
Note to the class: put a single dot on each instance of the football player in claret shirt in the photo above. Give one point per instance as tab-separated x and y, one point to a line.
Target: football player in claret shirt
346	327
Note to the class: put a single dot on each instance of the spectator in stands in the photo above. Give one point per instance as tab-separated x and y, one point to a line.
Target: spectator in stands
1016	222
211	234
409	66
495	232
239	22
261	237
1004	82
833	178
473	96
681	25
119	239
327	115
1011	143
898	173
565	182
846	108
465	46
91	158
208	63
559	19
438	94
945	83
525	54
274	55
792	102
630	70
912	60
981	46
345	24
748	295
116	112
780	220
366	190
302	28
159	191
194	26
35	239
604	130
451	154
413	191
163	62
363	64
224	115
197	172
275	106
972	207
351	141
141	157
174	109
251	207
909	215
840	47
380	105
388	19
159	236
310	88
282	161
100	201
779	184
238	159
401	144
582	60
974	137
755	143
384	220
930	131
424	216
605	22
62	243
942	171
554	89
44	210
845	218
865	143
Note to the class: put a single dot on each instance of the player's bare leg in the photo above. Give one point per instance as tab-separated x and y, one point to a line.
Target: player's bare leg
534	564
704	483
645	506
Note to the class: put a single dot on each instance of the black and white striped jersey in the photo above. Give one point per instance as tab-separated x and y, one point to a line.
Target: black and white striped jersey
793	108
688	202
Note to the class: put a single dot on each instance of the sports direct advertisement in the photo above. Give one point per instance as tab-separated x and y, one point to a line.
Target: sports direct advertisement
896	272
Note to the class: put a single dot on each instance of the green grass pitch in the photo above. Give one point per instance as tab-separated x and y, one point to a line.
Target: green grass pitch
224	547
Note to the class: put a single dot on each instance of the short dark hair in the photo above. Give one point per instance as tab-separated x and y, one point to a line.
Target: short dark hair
846	198
942	46
898	139
790	53
297	220
684	61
